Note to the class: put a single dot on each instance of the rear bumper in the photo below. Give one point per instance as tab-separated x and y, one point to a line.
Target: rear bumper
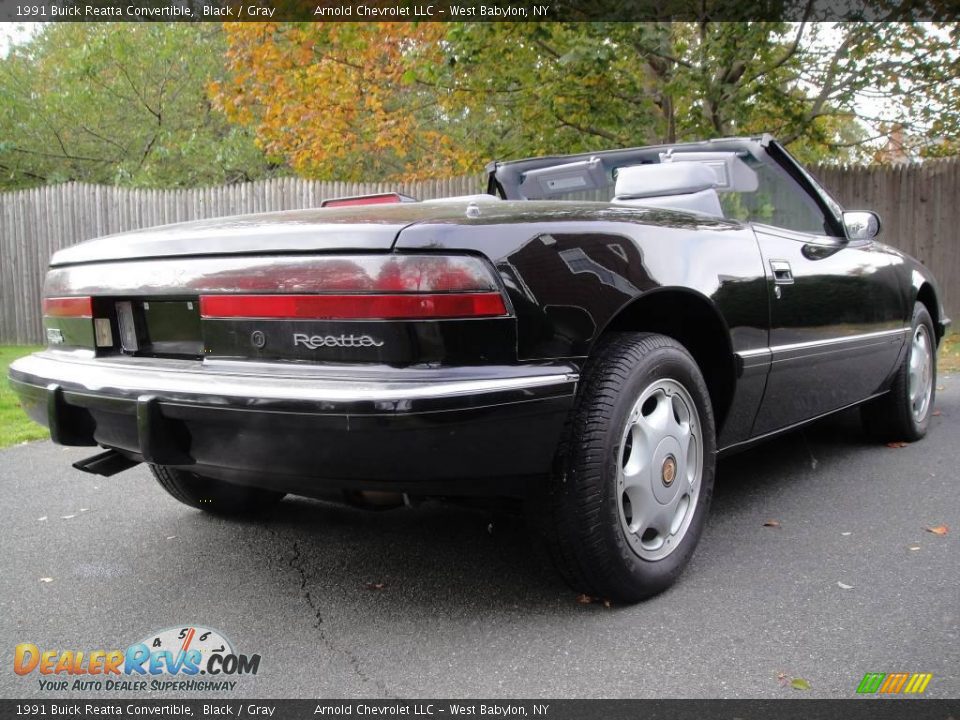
464	430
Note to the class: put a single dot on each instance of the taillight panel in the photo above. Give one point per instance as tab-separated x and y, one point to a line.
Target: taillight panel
283	274
389	306
74	307
368	308
371	287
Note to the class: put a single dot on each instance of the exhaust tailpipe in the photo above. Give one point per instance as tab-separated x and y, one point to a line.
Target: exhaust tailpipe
106	463
373	499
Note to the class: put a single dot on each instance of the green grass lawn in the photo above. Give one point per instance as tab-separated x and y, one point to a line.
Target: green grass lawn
15	426
948	356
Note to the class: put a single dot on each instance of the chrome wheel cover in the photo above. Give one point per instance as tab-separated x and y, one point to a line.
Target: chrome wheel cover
659	469
920	372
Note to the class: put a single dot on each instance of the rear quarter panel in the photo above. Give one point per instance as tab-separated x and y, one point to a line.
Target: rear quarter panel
569	271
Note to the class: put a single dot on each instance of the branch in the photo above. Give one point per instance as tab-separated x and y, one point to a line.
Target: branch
589	130
791	51
105	139
547	49
40	153
827	90
646	51
20	171
854	143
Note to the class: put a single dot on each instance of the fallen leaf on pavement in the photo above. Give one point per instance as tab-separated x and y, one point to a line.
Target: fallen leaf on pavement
936	413
799	684
772	523
607	604
782	678
376	586
897	444
584	599
938	529
844	586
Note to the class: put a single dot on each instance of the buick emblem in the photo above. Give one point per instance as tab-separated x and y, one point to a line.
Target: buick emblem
258	339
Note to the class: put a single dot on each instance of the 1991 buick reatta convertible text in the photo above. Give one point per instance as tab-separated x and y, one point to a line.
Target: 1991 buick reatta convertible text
589	336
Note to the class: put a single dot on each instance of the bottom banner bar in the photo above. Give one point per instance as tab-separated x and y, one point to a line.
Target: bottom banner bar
853	709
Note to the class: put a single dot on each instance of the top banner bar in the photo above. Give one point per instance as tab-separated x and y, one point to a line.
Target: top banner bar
477	10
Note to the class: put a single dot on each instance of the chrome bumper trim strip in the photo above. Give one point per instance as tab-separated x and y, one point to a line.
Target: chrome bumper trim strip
115	378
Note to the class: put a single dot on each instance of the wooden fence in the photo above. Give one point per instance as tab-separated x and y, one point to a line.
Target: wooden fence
919	204
36	223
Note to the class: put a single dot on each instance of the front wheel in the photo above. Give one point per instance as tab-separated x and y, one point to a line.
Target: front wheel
629	499
211	495
904	412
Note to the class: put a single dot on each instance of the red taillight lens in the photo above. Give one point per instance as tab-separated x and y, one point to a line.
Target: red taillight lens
353	307
350	273
360	287
80	307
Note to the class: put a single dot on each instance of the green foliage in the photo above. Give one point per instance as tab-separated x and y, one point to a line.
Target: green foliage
119	103
15	426
563	87
182	104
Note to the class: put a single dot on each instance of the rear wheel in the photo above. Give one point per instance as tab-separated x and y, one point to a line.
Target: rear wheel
904	412
628	503
212	495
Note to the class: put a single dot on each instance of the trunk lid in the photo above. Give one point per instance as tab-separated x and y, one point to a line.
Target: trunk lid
289	231
315	286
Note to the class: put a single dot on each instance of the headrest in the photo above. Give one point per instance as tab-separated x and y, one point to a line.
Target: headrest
682	178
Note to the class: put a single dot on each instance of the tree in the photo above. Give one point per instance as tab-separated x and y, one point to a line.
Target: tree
558	86
374	100
340	100
119	103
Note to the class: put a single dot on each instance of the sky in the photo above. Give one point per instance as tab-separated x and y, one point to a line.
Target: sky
12	33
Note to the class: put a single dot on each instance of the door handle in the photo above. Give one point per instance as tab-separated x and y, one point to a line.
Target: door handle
782	274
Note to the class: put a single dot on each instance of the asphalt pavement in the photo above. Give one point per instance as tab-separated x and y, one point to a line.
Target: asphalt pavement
443	601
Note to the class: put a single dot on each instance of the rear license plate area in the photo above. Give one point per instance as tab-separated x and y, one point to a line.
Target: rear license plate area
163	328
173	327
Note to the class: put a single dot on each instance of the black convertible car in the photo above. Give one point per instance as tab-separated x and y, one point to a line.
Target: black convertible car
588	336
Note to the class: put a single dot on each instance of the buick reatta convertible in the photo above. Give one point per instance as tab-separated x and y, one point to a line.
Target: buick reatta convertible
589	337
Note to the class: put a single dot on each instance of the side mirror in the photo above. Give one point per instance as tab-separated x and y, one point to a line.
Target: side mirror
861	225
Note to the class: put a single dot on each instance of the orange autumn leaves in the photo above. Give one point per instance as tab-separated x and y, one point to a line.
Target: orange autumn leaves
340	100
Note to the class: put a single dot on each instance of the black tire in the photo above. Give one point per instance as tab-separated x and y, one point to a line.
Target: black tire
891	417
579	512
214	496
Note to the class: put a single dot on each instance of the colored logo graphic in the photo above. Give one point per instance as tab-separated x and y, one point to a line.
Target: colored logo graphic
186	652
894	683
